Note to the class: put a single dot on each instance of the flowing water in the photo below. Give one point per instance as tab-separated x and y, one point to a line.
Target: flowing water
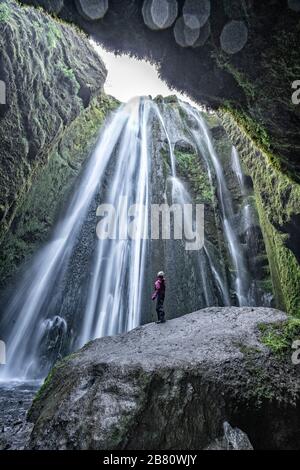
119	173
205	145
114	292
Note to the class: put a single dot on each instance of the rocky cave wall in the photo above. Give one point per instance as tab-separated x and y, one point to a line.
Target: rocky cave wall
55	107
51	74
241	55
277	199
58	84
240	58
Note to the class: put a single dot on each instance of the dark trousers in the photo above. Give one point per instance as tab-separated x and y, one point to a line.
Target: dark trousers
160	307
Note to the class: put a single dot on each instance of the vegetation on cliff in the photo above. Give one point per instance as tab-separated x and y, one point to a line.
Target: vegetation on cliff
277	199
51	73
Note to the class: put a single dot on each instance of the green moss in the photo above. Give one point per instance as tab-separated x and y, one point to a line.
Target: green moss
191	169
285	270
53	35
277	200
69	74
50	187
280	337
254	130
5	13
58	366
166	162
261	388
211	119
268	120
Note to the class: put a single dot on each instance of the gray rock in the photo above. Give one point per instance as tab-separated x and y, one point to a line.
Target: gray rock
172	386
184	146
233	439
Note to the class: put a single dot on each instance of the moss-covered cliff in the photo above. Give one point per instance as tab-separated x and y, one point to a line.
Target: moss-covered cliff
36	215
277	198
52	74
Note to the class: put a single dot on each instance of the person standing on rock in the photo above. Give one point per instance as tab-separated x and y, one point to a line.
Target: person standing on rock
159	295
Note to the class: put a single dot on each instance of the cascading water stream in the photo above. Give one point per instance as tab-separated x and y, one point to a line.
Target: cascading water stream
181	196
40	325
237	169
26	314
114	298
205	146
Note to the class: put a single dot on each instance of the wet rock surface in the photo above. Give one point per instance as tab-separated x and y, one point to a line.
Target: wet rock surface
172	386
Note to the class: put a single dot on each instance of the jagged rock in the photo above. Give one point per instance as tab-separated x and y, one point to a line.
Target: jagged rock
159	14
184	35
218	132
172	386
233	439
196	13
92	10
234	37
280	227
184	146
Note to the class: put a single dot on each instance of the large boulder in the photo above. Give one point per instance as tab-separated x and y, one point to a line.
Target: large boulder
172	386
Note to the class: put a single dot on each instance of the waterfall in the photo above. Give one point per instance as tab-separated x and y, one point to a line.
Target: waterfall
237	169
205	265
114	298
26	316
236	252
51	314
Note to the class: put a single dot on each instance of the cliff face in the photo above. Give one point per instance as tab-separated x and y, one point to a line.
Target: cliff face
38	212
244	58
277	198
51	74
203	279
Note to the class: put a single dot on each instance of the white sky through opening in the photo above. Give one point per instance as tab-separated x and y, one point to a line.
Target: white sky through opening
129	77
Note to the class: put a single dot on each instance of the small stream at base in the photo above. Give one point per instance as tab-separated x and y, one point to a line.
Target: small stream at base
15	401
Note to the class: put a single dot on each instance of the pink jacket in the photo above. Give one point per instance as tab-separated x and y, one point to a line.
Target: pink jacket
160	287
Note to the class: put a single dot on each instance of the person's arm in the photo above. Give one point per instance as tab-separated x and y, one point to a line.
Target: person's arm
157	289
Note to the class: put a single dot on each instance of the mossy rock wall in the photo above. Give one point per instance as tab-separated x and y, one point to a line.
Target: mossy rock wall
51	73
50	188
277	199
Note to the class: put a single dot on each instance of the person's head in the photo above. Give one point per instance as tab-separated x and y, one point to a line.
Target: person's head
161	274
